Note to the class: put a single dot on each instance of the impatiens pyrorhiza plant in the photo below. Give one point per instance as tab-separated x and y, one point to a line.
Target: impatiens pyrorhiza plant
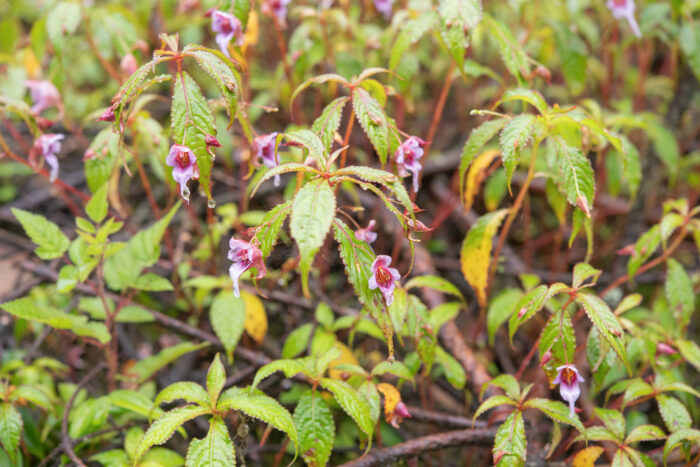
349	233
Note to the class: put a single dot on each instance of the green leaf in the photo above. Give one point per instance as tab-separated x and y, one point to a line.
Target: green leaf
258	405
583	272
354	405
152	283
297	341
227	316
191	122
679	293
411	31
143	369
313	211
689	40
493	401
597	433
372	119
226	79
557	411
674	413
526	308
368	174
534	98
309	140
314	421
559	339
10	429
143	249
97	207
436	283
645	246
162	429
320	79
690	351
637	388
111	458
326	125
34	395
61	21
666	147
506	382
271	226
282	169
128	89
443	313
185	390
472	148
395	368
52	243
457	19
88	416
675	439
512	53
510	441
288	367
606	322
644	433
613	420
578	182
475	255
67	278
135	402
214	450
216	377
454	372
502	306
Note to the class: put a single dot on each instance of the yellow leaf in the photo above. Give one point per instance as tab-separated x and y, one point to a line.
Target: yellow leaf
392	396
476	174
251	32
587	456
346	357
255	317
476	252
31	64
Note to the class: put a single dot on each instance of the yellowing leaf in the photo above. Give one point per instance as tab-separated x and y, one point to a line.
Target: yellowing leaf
587	457
251	33
255	317
476	252
476	175
30	63
392	396
346	357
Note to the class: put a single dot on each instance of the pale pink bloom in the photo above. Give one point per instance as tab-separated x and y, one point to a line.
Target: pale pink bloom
244	256
264	149
184	164
568	379
277	8
128	64
624	9
366	234
384	7
665	349
44	94
49	145
406	157
227	27
384	277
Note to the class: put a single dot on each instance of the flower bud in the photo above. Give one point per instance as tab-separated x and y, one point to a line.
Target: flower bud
211	141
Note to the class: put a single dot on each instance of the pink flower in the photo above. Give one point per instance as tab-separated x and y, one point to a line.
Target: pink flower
244	256
384	277
568	379
49	146
400	412
264	149
366	234
407	156
276	7
384	7
184	164
128	64
226	26
624	9
44	94
665	349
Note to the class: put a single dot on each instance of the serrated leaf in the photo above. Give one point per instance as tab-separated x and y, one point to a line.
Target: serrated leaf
309	140
216	378
493	401
583	272
679	293
373	120
97	207
637	388
557	411
288	367
10	429
578	182
163	428
475	254
62	21
673	412
282	169
613	420
606	322
558	338
297	341
597	433
368	174
645	246
675	439
510	440
526	308
411	31
51	242
185	390
227	316
214	450
313	212
226	79
352	404
644	433
457	19
67	278
88	416
326	125
395	368
475	175
258	405
144	369
35	395
690	351
191	122
320	79
152	283
316	428
534	98
135	402
271	226
512	53
472	148
502	306
436	283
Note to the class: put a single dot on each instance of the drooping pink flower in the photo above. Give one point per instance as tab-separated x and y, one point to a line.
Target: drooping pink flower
227	27
384	7
107	115
406	157
276	7
366	234
569	379
624	9
264	149
44	94
184	164
665	349
384	277
48	146
400	412
244	256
